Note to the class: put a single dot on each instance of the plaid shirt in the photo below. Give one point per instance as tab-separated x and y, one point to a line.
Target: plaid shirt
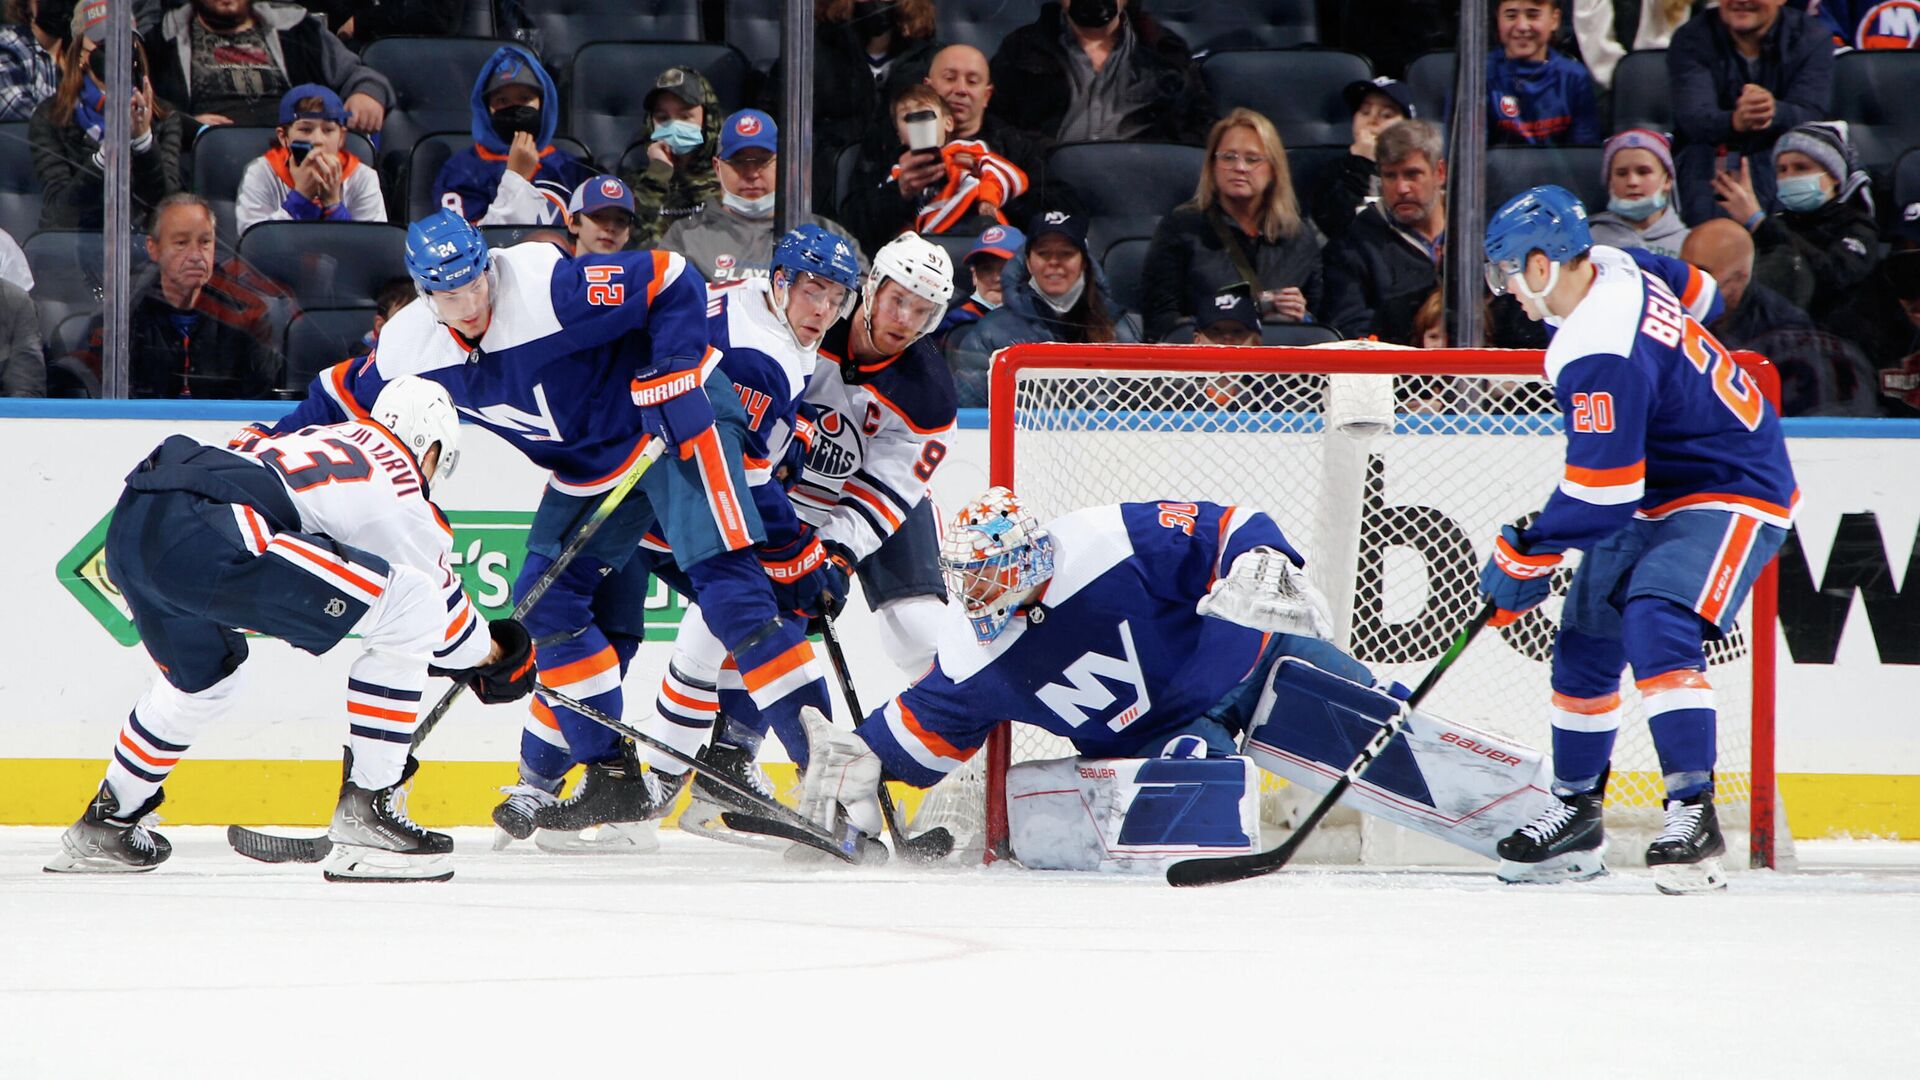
27	73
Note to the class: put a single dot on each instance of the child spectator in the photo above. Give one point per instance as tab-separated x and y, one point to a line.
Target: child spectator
1377	104
392	296
1226	317
1641	210
1386	265
512	174
1430	322
1538	96
600	216
1824	240
975	181
983	264
308	174
678	181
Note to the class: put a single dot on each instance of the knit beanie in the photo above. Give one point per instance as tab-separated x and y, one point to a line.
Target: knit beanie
1826	142
1636	139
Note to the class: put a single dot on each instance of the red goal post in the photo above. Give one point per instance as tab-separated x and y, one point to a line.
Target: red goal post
1169	411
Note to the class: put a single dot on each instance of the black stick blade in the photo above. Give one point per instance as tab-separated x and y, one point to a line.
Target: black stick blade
268	848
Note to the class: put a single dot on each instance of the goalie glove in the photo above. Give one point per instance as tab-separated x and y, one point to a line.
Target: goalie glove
1263	590
842	773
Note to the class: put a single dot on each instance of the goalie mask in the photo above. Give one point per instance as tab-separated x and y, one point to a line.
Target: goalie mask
994	556
420	414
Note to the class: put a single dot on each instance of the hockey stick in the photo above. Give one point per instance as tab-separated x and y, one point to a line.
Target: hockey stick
1241	867
930	846
269	848
790	825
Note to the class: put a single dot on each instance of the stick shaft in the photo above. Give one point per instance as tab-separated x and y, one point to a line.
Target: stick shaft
838	656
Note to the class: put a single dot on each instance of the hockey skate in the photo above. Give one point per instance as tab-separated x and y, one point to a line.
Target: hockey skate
609	792
514	816
710	800
1567	842
106	841
1685	857
374	840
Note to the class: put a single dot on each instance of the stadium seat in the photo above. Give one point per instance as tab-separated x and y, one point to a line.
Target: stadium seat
1207	25
565	27
70	336
432	91
981	23
1309	166
1640	94
1876	92
68	377
1158	177
500	236
1291	334
476	19
1430	77
327	264
66	265
423	168
320	338
1125	264
956	248
1906	182
610	78
19	184
753	27
220	158
844	166
1513	169
1300	91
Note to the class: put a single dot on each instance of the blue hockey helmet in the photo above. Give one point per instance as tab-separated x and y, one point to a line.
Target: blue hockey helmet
994	556
445	252
1547	219
819	252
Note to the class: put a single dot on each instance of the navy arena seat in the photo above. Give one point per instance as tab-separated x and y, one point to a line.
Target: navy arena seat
611	79
1299	90
319	338
753	27
431	152
956	248
327	264
70	377
1207	25
432	90
1877	93
221	156
1125	263
1641	98
66	273
1513	169
564	27
981	23
19	183
1158	177
1906	184
1308	167
476	19
1430	78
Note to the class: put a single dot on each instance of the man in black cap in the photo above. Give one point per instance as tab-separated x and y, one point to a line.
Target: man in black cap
1376	104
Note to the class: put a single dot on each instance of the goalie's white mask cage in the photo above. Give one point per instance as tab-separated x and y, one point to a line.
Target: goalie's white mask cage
1392	470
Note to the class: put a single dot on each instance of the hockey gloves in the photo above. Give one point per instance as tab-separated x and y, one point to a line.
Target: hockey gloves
810	578
673	402
1265	591
842	772
510	676
1514	581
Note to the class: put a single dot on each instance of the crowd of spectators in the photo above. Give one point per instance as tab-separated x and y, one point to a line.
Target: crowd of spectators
1758	181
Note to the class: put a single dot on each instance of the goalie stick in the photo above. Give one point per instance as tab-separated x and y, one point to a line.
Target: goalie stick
1241	867
268	848
930	846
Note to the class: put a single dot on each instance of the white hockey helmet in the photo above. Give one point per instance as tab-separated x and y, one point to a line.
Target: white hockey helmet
922	267
420	413
993	556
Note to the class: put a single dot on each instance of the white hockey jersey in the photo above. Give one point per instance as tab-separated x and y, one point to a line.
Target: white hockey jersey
769	372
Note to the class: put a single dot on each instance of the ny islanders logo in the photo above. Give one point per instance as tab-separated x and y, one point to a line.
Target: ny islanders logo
1892	25
1509	106
747	126
612	189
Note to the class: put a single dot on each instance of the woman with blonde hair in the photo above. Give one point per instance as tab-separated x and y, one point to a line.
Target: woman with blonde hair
1243	225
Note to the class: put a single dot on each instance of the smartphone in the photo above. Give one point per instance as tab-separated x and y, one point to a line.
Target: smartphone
923	130
297	151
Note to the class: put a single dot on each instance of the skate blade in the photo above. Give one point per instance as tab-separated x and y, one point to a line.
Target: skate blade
68	863
355	864
1682	879
502	839
1572	866
715	829
619	838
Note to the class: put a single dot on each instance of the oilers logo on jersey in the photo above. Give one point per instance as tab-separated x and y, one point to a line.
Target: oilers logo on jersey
836	450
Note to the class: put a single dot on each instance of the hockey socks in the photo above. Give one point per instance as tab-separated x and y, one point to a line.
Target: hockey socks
157	733
383	705
1680	714
783	676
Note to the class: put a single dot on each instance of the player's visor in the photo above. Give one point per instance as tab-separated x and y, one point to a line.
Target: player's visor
1498	271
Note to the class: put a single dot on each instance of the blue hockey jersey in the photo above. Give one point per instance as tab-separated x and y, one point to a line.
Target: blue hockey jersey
770	372
1112	655
1541	103
471	181
1660	418
553	372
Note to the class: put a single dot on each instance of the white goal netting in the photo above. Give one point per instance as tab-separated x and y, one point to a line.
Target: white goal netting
1393	483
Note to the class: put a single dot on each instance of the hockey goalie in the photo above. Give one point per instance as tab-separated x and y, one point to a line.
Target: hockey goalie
1177	645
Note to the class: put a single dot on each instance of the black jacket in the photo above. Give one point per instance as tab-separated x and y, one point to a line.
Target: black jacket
1761	311
874	211
1376	279
216	360
1030	81
1186	258
848	108
1817	258
71	194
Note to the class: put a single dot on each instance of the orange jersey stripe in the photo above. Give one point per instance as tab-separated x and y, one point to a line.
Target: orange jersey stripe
931	740
902	413
1774	509
799	656
280	543
543	713
338	375
584	668
398	716
660	264
879	505
162	762
1625	474
1592	706
1684	679
685	702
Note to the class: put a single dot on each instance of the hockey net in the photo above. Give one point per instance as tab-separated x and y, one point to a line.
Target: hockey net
1392	470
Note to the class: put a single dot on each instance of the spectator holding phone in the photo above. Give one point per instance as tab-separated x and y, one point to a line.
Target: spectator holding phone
1641	210
308	174
1536	96
1742	75
1823	242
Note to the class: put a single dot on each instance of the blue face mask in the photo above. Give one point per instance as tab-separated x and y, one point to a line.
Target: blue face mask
680	136
1803	193
1639	209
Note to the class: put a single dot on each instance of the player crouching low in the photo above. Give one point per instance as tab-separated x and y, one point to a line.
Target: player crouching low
1678	489
306	536
1162	639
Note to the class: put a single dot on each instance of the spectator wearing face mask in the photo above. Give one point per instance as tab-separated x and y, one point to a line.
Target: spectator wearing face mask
731	238
982	265
308	174
678	180
512	174
1641	210
1824	240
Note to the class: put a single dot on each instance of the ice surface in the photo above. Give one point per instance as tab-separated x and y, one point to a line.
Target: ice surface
728	961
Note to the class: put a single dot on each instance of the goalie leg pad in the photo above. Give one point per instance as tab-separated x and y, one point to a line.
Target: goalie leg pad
1128	815
1447	780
